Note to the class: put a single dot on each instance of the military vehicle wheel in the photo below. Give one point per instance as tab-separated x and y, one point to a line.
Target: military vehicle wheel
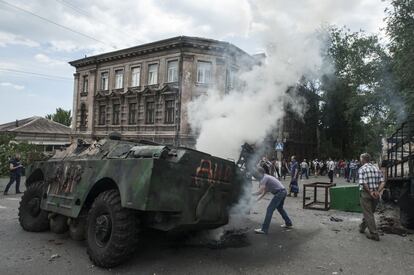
59	224
112	230
31	217
77	227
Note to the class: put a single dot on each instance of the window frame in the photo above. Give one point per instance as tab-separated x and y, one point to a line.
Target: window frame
204	81
174	79
132	121
156	65
147	120
85	84
104	87
167	109
102	115
83	115
116	78
117	121
132	76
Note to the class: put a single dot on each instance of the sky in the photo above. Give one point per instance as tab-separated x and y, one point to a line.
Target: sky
39	37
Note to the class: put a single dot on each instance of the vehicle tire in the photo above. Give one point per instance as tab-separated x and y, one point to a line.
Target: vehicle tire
111	230
59	224
31	217
77	227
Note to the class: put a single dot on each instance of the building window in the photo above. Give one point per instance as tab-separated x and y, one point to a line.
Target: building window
152	74
83	115
104	81
172	71
204	72
132	113
102	115
85	85
115	114
119	79
135	76
150	113
169	111
231	78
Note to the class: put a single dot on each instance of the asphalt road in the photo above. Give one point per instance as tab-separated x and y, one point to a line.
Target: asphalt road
316	245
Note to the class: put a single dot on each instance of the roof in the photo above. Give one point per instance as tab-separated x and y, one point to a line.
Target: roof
35	124
170	43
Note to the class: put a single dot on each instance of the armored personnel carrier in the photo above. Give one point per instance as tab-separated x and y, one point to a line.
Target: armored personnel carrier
107	191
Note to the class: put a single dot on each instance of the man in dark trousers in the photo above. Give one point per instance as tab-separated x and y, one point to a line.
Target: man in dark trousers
15	174
271	184
294	173
371	184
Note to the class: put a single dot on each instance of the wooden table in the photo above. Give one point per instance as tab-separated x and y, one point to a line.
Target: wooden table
315	204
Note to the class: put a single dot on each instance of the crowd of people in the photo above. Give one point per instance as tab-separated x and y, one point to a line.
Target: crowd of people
339	168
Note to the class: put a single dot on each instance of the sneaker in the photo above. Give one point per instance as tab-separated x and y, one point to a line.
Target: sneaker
259	231
19	192
362	229
374	237
286	226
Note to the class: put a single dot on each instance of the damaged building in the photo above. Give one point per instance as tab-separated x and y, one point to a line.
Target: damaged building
141	92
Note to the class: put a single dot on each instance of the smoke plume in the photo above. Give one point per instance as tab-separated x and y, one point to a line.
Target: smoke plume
248	114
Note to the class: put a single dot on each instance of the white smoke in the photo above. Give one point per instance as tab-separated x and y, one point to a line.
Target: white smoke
293	50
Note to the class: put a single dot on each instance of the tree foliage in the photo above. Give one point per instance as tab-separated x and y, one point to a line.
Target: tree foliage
400	29
61	116
9	148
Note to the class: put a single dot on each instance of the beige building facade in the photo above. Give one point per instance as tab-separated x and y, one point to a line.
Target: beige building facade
143	92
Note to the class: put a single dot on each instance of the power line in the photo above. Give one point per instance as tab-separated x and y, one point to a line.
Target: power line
48	76
54	23
87	14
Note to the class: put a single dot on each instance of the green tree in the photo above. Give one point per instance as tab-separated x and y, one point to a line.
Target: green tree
353	96
400	29
9	147
62	116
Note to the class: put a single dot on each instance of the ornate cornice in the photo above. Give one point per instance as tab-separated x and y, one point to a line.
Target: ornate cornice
174	43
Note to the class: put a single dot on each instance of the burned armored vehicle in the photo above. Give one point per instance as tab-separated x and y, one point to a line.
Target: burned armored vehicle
106	192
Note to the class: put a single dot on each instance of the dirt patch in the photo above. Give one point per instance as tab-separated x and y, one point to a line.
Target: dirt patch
389	220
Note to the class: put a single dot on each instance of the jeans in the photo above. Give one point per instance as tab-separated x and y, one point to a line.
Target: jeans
13	178
304	171
276	203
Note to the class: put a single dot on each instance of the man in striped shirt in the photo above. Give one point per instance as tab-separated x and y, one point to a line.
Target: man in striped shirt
371	184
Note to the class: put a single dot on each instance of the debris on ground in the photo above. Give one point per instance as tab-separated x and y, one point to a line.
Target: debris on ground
54	257
334	219
389	221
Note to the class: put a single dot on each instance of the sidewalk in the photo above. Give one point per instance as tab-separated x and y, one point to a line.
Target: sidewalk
5	180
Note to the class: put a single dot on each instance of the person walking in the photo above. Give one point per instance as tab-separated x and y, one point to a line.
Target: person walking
331	167
294	173
371	184
271	184
304	169
15	174
284	169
